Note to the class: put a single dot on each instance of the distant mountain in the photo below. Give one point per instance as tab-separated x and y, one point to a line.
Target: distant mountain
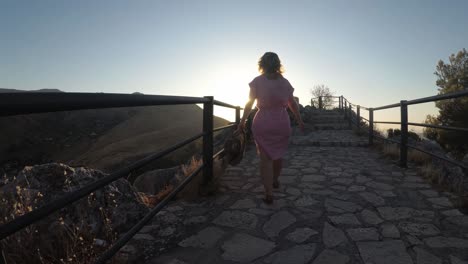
45	90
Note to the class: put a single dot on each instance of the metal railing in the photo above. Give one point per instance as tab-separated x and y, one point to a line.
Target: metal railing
345	106
28	103
403	105
356	118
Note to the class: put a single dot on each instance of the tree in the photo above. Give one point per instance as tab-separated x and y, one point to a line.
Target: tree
391	132
322	90
452	77
429	132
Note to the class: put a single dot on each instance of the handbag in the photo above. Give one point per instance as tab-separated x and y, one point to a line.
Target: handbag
234	148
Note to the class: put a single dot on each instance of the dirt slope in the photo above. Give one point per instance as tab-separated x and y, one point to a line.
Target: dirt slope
153	129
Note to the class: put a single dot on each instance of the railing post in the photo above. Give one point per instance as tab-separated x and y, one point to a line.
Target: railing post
350	116
207	145
340	104
358	115
237	114
404	134
320	102
371	126
345	109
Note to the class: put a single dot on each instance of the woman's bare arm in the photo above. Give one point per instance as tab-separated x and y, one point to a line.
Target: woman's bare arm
294	107
247	110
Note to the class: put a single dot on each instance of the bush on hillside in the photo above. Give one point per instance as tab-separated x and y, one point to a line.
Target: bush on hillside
391	133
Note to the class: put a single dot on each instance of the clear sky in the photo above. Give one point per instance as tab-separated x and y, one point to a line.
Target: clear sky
372	52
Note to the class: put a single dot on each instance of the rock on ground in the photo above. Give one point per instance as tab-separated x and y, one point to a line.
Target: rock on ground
384	252
245	248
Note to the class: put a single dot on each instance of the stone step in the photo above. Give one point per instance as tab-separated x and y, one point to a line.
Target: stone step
325	120
324	138
325	114
337	126
331	143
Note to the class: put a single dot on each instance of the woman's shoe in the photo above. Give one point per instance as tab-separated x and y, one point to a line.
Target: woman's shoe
276	184
268	199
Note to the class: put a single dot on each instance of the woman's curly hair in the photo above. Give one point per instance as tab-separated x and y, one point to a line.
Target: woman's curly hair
270	63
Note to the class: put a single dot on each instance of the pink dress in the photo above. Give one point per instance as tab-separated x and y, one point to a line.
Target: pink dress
271	128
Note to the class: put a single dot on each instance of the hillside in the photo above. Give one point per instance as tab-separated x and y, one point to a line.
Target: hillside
153	128
45	90
104	139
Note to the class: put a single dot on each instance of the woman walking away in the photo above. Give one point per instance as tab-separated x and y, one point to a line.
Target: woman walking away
271	127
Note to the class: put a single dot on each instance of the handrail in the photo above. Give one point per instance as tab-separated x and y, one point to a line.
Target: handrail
460	129
439	97
428	99
344	99
219	103
404	122
27	103
454	162
387	122
386	107
224	127
346	106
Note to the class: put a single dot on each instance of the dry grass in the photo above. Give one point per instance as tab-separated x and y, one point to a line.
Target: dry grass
194	188
418	157
152	200
433	174
438	179
65	243
393	151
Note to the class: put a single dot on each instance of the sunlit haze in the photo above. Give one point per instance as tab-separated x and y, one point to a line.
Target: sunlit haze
372	52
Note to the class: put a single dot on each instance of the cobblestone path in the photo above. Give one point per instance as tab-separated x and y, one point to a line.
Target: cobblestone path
335	205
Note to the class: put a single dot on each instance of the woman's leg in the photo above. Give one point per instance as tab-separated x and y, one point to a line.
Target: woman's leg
277	166
266	171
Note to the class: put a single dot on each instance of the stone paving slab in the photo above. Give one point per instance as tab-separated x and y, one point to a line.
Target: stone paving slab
334	205
323	138
384	252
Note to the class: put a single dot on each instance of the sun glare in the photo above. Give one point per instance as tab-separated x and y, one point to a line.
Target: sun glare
230	85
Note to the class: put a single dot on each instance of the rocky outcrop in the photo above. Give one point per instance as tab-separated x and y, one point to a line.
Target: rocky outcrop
93	221
448	173
152	182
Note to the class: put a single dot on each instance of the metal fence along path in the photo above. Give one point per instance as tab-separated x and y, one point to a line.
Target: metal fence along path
355	118
28	103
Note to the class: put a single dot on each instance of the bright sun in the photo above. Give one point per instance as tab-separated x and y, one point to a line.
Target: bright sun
231	86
